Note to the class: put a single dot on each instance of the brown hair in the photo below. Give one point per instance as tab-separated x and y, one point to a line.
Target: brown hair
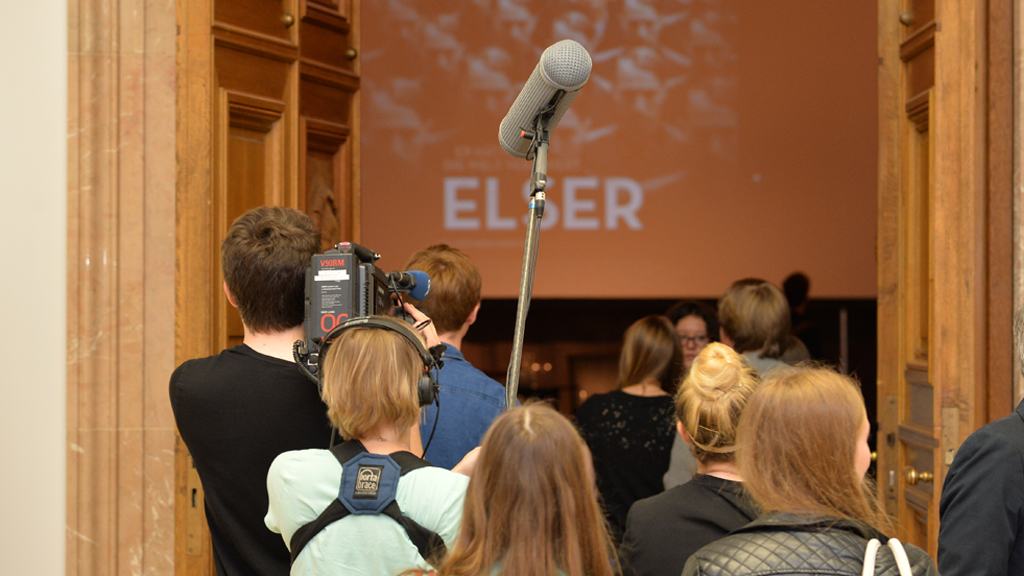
531	505
370	377
455	283
685	308
797	445
755	316
711	399
264	258
651	349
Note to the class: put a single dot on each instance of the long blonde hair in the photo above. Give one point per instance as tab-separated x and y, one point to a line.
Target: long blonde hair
797	444
531	508
710	401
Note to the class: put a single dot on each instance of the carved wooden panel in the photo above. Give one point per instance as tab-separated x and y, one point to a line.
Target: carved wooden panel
327	160
249	172
944	258
920	13
258	17
266	116
329	82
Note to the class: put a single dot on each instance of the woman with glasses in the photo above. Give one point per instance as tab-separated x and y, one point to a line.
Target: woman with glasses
696	324
630	430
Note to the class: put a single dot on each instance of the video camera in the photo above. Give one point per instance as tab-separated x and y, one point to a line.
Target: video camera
345	282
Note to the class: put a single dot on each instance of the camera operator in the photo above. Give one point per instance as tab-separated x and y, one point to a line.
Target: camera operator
470	400
237	410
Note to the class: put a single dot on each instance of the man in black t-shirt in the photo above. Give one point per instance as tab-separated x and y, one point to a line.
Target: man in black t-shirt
237	410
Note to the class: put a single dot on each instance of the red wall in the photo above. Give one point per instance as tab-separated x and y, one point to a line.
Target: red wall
745	133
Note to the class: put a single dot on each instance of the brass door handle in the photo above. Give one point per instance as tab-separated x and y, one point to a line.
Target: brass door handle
351	53
907	18
287	19
913	476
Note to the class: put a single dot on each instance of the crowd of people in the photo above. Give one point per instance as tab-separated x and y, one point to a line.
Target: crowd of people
722	452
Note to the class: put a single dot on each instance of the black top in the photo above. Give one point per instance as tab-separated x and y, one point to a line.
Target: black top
631	441
236	412
663	531
981	512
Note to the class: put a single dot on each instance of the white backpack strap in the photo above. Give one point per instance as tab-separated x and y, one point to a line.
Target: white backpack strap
902	562
869	557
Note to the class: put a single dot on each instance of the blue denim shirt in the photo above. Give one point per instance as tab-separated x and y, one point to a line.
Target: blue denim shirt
470	401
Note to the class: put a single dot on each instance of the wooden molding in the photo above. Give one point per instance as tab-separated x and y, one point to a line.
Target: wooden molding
255	43
918	42
328	75
326	15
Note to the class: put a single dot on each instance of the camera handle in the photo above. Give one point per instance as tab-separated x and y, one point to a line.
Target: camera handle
538	182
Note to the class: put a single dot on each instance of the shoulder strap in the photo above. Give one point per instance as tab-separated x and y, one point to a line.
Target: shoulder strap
870	554
902	562
335	511
427	542
408	462
347	450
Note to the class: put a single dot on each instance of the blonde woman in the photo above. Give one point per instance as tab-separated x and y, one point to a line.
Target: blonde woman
664	530
531	508
803	452
630	430
371	383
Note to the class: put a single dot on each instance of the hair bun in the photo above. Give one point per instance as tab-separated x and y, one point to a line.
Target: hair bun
711	398
717	371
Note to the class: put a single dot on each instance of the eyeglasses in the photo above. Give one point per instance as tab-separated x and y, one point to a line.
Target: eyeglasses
695	340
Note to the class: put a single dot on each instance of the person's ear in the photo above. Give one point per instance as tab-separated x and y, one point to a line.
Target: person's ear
472	315
231	297
682	432
723	337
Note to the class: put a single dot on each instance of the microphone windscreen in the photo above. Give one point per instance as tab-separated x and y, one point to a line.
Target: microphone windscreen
422	288
565	65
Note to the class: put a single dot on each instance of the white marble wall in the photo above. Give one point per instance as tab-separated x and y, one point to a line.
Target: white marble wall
120	288
33	204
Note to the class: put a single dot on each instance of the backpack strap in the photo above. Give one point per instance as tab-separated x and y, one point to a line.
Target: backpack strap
871	552
335	511
902	561
870	555
427	542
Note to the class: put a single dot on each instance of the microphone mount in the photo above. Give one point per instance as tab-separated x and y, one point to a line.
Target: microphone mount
538	183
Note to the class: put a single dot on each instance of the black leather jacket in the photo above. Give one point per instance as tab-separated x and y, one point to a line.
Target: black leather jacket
780	543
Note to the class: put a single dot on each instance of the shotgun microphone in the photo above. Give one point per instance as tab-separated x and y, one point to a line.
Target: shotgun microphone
415	282
563	69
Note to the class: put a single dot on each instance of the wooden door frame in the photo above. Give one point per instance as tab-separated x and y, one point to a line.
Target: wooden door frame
971	126
194	256
197	276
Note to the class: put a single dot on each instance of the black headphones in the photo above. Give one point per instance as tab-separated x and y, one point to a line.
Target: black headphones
427	386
